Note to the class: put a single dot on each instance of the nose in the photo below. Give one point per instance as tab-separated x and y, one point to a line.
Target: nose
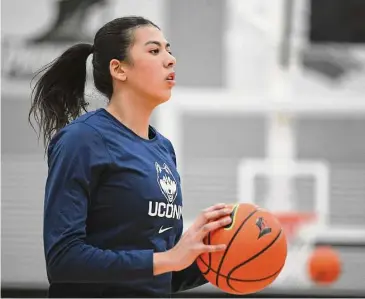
170	61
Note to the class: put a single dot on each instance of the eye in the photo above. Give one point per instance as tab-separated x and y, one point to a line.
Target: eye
155	51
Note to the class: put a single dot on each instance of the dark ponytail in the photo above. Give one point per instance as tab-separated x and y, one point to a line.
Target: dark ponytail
58	96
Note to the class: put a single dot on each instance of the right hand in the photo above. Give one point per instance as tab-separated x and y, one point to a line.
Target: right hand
191	244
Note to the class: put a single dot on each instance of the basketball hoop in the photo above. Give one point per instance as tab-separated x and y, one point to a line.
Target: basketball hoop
293	221
299	245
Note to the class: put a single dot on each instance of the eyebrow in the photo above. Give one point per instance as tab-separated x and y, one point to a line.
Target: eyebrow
157	43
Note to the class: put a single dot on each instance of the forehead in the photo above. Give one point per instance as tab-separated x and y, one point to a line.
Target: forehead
145	34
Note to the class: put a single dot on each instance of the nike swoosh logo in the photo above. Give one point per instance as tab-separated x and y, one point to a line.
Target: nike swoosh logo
164	229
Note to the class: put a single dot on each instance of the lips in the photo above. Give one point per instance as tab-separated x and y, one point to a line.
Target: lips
171	76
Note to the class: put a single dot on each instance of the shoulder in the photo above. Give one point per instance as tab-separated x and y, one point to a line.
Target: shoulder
75	133
167	144
81	131
77	138
165	141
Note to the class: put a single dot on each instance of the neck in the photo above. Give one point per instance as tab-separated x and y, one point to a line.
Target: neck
132	112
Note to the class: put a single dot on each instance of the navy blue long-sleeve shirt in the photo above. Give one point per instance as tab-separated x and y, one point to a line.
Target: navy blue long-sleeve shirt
112	199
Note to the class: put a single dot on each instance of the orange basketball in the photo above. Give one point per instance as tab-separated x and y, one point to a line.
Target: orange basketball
255	254
324	265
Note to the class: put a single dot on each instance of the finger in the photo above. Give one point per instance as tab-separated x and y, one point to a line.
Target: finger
207	217
214	215
211	226
216	207
214	248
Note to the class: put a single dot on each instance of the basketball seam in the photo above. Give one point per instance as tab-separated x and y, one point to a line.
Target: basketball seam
230	243
209	259
252	258
242	280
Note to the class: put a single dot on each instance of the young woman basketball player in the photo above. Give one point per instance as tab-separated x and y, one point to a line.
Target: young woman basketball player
113	204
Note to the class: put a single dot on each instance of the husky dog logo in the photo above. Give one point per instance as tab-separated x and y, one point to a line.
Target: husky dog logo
168	186
167	182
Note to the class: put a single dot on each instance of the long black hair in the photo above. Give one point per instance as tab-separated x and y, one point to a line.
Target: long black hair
58	96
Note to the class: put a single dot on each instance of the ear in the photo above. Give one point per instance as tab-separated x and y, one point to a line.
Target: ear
117	70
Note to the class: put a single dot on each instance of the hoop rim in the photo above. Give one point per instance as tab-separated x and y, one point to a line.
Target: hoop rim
293	220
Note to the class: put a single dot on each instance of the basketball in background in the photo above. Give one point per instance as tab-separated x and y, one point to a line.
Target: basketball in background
255	254
324	265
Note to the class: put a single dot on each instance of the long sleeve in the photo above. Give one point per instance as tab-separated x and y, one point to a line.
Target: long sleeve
189	278
77	157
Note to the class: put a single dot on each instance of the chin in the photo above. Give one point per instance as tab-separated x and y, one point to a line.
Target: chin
163	98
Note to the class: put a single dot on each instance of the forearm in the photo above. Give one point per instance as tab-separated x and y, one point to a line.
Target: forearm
162	263
84	263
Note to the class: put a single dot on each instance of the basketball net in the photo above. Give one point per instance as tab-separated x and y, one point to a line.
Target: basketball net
298	228
282	200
